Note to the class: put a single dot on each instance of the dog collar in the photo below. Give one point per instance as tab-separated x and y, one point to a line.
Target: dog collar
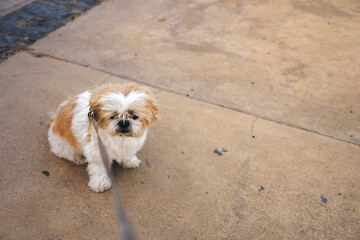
90	115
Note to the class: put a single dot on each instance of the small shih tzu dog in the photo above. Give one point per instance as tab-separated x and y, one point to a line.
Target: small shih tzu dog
123	114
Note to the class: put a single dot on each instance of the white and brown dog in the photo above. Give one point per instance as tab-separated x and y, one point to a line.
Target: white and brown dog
123	114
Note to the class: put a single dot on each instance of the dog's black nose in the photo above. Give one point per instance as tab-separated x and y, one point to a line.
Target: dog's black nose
124	124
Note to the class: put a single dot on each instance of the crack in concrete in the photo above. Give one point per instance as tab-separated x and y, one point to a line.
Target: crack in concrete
252	127
107	78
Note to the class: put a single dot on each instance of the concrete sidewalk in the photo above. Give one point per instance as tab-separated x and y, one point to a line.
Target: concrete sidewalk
273	87
8	6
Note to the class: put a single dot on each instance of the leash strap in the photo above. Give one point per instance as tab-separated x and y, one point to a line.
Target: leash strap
123	222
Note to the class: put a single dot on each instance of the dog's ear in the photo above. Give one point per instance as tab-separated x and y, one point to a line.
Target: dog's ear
96	116
95	107
154	110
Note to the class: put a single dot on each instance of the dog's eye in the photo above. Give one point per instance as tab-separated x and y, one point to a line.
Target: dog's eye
112	117
134	117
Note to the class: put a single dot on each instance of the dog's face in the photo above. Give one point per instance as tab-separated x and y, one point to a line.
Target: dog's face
124	110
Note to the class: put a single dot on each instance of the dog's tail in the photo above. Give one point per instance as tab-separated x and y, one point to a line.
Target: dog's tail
52	116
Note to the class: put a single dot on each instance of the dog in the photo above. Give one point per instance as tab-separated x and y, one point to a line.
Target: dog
123	112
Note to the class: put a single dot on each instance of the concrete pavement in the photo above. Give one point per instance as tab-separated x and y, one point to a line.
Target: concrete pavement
285	122
8	6
291	62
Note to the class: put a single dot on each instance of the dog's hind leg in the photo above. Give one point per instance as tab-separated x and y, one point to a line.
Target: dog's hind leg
61	148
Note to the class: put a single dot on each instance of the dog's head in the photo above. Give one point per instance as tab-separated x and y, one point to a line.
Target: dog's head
124	110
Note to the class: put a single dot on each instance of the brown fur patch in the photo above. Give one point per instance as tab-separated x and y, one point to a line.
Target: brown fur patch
148	111
62	123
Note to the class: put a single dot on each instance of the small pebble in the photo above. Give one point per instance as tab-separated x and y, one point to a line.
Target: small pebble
323	198
46	173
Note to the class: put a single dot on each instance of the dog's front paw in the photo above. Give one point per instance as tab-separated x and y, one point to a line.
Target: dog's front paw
133	162
79	160
99	183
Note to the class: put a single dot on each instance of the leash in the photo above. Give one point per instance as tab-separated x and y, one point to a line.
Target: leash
123	221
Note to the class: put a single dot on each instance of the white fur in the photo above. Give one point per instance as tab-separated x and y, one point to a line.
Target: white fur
121	149
116	101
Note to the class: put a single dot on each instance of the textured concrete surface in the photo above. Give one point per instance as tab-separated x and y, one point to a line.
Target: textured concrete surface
8	6
270	183
296	179
23	27
296	62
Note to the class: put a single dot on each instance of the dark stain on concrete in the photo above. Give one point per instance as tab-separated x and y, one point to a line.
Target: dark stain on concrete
46	173
233	5
147	162
295	73
35	20
320	8
323	198
216	151
195	15
284	46
258	2
204	48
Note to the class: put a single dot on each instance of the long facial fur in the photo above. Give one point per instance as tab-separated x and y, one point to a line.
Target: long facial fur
124	101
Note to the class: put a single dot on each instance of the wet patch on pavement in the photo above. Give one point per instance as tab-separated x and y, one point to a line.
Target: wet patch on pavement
24	26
